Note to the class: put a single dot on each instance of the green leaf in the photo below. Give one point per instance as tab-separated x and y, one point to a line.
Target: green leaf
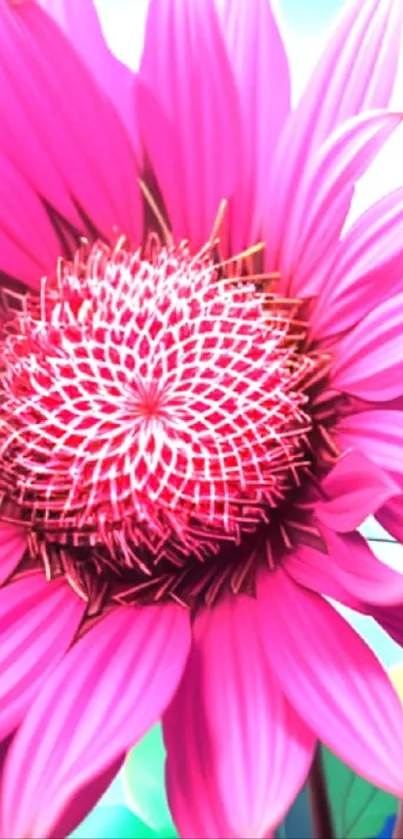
144	783
359	809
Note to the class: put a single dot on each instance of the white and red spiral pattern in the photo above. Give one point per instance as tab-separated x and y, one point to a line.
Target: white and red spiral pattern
146	399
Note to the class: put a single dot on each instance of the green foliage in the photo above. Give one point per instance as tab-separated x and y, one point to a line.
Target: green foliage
359	809
144	783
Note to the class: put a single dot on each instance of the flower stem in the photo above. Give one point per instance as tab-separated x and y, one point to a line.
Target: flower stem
398	829
319	801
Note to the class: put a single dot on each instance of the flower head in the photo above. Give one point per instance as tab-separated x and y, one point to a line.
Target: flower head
200	403
155	412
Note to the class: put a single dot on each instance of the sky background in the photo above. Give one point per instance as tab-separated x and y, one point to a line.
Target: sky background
305	25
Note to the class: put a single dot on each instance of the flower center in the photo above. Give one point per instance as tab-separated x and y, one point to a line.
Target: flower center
154	411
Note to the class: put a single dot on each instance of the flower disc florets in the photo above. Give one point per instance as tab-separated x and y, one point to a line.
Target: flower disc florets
152	408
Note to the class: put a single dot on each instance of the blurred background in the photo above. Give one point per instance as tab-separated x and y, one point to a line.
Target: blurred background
135	804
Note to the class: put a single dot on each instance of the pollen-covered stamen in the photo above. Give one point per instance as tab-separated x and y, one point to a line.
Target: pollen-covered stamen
152	404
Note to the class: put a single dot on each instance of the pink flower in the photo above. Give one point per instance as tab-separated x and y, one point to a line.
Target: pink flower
192	431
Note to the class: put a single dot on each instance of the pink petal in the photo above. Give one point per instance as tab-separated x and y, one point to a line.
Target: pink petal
377	434
350	572
199	98
59	128
113	684
354	489
356	73
390	618
391	517
394	404
317	213
314	570
236	752
28	246
367	267
37	623
81	24
260	64
333	680
369	362
163	158
13	543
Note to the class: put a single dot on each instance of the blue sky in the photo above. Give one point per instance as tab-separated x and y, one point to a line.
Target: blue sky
310	16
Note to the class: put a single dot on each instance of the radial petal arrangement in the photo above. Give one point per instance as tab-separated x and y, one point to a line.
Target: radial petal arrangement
201	395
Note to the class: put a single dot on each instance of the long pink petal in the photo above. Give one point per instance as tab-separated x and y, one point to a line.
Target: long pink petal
28	245
13	543
114	683
81	24
349	572
164	159
260	63
354	489
390	618
236	752
390	516
333	680
367	268
378	434
60	129
369	361
313	570
316	216
186	65
37	623
356	73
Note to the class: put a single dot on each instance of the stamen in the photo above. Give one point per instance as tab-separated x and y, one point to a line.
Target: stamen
157	213
218	222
